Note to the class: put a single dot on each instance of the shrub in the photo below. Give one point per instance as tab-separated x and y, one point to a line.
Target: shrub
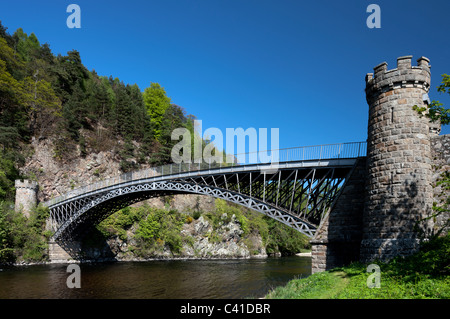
21	238
196	215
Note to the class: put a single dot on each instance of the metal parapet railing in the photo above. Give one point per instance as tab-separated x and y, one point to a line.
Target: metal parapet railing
294	154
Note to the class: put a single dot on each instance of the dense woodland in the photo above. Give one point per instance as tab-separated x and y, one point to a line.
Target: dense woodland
43	95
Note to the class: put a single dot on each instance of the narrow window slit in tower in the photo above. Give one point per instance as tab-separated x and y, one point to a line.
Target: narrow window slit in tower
392	183
392	115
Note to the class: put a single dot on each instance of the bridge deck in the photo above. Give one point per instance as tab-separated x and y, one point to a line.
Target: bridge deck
343	154
270	169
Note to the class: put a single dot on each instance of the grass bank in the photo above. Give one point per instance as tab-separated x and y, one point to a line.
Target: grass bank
422	275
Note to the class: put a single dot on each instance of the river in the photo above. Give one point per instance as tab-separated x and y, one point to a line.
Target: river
171	279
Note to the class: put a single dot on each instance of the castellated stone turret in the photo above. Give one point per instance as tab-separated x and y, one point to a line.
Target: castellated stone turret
398	188
26	196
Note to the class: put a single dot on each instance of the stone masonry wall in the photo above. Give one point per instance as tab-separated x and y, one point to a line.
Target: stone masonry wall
338	238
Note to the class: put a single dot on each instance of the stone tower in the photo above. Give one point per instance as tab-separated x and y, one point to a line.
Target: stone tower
398	188
26	196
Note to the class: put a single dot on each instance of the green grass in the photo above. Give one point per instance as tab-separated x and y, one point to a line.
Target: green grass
322	285
422	275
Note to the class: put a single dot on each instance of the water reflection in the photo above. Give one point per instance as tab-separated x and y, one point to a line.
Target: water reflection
190	279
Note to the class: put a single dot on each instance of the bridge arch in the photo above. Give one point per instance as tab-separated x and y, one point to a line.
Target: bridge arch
92	210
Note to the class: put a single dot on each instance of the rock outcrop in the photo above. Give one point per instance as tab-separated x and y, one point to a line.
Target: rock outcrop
204	242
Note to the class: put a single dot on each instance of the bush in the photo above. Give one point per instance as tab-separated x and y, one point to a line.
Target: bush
283	239
159	228
118	223
433	259
196	215
21	238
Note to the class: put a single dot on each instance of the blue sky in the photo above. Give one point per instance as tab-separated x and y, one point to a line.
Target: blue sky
294	65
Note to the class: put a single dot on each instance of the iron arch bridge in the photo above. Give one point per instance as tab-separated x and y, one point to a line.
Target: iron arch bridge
298	190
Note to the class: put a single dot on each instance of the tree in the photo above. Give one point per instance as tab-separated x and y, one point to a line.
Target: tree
8	174
5	35
70	84
7	54
69	74
156	102
73	112
124	112
138	111
8	137
173	118
435	110
27	46
43	105
12	97
6	252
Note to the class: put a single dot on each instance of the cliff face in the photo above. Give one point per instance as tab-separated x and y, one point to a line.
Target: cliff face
56	177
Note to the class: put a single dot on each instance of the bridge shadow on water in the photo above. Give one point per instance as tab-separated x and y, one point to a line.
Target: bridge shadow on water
93	246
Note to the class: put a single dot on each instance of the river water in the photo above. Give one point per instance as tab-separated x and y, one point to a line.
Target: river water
174	279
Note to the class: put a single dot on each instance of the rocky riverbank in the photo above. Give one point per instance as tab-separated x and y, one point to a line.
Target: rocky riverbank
201	240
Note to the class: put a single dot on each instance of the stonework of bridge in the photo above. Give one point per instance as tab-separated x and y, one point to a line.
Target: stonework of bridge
354	203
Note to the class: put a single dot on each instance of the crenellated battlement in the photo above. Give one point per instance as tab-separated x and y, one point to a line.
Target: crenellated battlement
29	184
404	76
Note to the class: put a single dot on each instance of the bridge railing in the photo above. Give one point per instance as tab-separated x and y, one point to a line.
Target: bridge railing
294	154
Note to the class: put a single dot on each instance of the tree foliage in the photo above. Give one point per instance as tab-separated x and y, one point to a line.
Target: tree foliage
436	111
156	102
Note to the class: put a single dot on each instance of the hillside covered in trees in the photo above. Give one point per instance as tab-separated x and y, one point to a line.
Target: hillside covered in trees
47	96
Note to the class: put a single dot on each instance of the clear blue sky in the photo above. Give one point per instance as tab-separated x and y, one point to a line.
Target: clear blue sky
294	65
